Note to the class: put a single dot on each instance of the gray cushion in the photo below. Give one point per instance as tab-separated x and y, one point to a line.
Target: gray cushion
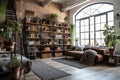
78	48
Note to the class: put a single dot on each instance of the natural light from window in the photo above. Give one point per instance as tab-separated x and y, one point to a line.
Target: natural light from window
90	23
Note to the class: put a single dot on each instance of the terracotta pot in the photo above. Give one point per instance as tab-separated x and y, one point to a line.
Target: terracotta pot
15	73
112	51
9	46
22	70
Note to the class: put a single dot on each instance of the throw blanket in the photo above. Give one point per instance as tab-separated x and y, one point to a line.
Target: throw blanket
88	57
25	62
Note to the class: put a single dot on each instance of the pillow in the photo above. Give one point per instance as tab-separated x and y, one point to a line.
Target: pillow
78	48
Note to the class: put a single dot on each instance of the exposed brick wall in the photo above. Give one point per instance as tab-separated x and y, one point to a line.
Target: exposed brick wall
33	5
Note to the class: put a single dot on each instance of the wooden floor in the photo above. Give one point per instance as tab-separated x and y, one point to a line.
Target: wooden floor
98	72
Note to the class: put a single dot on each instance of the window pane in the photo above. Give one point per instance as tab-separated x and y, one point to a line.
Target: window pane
110	23
77	23
82	36
86	35
82	42
97	26
91	42
102	26
77	30
91	35
97	19
82	23
91	27
102	36
110	16
91	20
78	36
97	34
86	22
103	18
82	29
87	28
86	42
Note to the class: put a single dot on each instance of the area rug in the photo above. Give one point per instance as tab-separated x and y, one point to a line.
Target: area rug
47	72
71	62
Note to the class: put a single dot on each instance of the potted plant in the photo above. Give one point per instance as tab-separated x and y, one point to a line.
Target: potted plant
66	21
9	28
110	37
15	68
53	18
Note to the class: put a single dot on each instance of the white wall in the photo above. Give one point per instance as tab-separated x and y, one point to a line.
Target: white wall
116	4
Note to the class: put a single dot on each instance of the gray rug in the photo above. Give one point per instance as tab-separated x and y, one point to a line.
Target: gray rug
47	72
71	62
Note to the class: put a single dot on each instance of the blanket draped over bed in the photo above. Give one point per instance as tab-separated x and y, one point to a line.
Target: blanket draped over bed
88	57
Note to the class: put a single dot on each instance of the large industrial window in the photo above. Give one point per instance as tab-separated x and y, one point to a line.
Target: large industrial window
90	23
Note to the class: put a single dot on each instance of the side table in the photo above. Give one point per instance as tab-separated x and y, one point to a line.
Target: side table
113	59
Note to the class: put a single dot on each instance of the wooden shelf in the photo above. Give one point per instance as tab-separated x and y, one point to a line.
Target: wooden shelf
67	44
32	31
33	38
47	33
46	44
31	23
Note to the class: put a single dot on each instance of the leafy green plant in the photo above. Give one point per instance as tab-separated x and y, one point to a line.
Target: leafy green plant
14	62
73	33
3	6
117	34
110	36
66	20
9	27
52	17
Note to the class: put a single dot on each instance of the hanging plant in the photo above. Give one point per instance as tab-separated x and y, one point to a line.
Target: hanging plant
3	6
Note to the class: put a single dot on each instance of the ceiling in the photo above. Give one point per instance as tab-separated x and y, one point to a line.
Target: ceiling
61	1
66	4
69	4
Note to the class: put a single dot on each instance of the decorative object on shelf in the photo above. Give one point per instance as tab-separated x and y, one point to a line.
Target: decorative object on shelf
47	48
35	19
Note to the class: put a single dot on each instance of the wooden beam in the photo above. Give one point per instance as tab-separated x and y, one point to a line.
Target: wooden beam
45	2
73	5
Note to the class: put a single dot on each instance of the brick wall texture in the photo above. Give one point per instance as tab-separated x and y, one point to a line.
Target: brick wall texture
34	5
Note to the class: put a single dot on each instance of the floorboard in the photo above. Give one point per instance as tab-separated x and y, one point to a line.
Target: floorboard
97	72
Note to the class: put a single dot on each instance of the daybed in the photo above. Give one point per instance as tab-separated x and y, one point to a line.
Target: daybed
78	53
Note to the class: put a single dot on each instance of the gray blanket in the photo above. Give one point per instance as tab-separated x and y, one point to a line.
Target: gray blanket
25	62
88	57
